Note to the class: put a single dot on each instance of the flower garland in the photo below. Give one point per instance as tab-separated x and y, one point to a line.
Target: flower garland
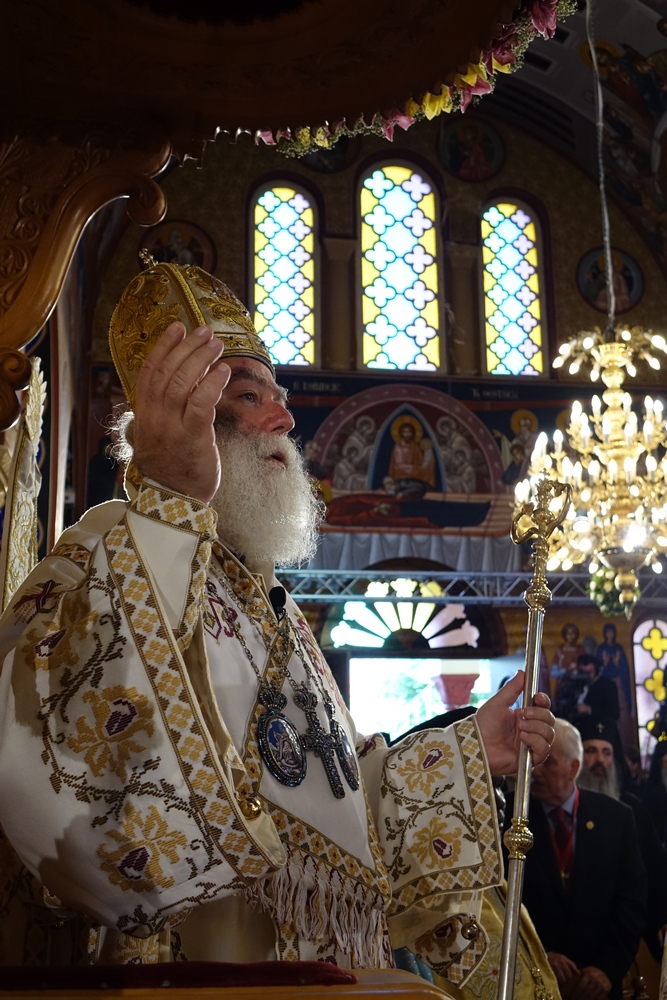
532	19
602	590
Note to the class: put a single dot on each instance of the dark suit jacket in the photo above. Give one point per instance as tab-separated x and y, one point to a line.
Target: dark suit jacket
600	921
654	857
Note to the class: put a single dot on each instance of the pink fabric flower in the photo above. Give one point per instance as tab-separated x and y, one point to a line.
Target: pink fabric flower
543	16
468	91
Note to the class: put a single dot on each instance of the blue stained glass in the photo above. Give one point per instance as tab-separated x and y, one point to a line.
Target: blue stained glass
379	220
523	244
286	216
527	322
270	336
380	292
268	308
378	183
299	282
508	231
511	282
419	294
398	203
404	347
399	239
380	255
528	348
509	256
525	270
381	361
494	217
283	271
494	242
299	309
500	347
269	254
284	242
496	268
382	330
511	308
515	361
498	321
513	328
284	352
284	296
299	229
269	228
400	312
284	323
399	275
497	294
513	334
400	290
526	296
416	187
269	201
268	281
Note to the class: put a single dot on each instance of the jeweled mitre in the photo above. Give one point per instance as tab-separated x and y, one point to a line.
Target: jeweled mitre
164	293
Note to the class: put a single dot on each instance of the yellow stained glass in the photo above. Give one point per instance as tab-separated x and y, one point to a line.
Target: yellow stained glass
399	271
284	274
511	286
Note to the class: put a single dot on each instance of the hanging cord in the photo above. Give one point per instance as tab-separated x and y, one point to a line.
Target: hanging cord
609	334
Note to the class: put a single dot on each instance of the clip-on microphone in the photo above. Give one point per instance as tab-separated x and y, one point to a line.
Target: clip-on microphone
278	598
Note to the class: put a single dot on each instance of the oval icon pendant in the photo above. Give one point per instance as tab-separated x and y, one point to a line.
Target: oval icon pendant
281	748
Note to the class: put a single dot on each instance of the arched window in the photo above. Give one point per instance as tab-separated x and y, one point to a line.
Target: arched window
513	315
284	279
399	271
649	647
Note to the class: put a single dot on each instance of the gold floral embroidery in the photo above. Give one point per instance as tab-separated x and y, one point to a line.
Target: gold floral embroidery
50	646
143	842
136	590
428	769
178	717
432	848
190	747
120	714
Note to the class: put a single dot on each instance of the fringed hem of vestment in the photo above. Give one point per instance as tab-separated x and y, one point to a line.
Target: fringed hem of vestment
322	905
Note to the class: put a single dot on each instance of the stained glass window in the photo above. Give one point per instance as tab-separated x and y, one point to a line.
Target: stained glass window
284	275
649	643
399	271
512	309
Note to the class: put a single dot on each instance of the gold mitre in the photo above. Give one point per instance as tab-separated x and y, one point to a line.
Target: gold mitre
164	293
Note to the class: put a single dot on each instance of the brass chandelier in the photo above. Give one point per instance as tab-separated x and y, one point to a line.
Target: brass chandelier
615	462
615	458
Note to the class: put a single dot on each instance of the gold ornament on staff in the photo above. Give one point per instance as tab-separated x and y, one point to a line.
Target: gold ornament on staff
534	522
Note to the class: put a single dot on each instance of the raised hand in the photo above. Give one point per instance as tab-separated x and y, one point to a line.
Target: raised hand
503	728
178	387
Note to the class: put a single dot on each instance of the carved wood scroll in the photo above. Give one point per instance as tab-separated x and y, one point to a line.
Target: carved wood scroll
50	186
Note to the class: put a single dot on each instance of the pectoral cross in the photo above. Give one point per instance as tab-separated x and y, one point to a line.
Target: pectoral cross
317	739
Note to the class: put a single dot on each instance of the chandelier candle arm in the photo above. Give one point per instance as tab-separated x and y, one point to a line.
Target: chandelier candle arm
615	460
534	522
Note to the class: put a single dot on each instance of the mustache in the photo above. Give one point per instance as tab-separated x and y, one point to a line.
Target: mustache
264	443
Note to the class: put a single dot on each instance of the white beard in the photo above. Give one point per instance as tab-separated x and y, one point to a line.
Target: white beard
267	512
607	783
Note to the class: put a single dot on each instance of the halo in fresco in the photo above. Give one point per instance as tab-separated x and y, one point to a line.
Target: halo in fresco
177	241
470	149
592	281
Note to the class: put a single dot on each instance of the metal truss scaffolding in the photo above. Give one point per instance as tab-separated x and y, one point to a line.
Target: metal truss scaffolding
501	589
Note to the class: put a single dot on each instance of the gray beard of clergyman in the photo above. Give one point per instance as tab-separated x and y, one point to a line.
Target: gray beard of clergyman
606	783
266	513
